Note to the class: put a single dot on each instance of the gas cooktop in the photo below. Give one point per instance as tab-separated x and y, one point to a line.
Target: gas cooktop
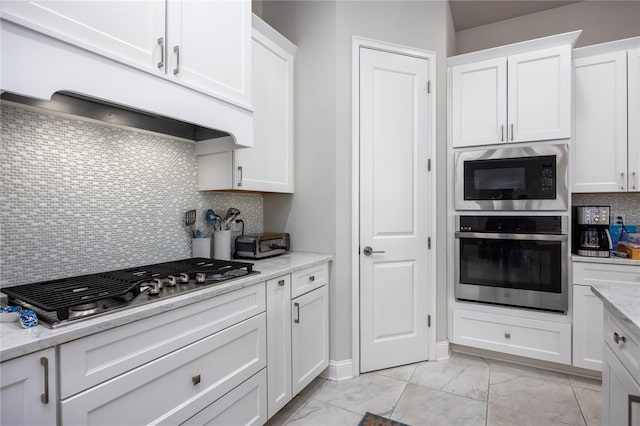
64	301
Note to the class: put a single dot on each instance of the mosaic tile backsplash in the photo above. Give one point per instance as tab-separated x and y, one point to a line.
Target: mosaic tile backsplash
80	197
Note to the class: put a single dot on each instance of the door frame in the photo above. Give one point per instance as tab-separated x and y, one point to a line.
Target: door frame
357	43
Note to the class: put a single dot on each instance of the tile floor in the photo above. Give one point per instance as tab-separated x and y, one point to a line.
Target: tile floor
463	390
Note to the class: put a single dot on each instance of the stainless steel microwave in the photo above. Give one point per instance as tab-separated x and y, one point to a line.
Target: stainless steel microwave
511	179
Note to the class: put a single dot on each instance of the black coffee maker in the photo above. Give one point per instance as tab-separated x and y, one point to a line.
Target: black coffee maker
591	235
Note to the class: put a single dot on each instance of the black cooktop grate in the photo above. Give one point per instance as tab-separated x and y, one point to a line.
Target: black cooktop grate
62	294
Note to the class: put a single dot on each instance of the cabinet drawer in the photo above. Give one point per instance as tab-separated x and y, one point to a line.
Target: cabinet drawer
173	388
628	351
305	280
586	273
94	359
245	405
537	339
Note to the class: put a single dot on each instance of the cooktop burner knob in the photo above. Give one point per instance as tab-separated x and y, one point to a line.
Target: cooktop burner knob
158	282
153	289
171	280
201	277
184	278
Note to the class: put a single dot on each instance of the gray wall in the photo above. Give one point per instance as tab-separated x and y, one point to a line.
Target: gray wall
600	21
79	197
319	214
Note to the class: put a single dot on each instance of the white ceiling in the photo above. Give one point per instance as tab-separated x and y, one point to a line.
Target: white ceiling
473	13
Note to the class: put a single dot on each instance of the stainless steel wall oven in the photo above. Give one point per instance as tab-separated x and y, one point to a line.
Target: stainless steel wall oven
518	261
521	178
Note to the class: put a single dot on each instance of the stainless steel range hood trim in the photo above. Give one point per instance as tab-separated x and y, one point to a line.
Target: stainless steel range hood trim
111	84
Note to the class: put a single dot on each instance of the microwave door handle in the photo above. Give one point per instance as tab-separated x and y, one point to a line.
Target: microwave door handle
503	236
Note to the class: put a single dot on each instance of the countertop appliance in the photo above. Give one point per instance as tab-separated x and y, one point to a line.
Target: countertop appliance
522	178
591	235
518	261
67	300
261	246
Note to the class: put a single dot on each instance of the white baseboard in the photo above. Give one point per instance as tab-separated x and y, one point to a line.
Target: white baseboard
442	350
338	370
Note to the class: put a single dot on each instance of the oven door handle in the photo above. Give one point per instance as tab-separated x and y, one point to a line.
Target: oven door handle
502	236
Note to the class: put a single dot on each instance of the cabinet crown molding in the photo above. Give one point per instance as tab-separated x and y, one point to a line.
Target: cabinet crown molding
610	46
515	48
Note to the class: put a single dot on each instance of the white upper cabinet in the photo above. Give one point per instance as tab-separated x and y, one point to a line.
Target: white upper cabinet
515	93
606	148
268	165
204	45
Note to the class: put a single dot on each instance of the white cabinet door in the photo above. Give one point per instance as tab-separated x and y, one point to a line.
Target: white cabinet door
127	31
539	95
209	47
479	103
587	328
278	343
309	336
28	391
600	145
620	393
633	64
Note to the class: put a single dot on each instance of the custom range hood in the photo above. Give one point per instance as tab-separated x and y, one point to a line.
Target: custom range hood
45	73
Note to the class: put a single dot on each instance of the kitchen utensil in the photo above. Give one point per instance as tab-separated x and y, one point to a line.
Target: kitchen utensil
232	214
190	221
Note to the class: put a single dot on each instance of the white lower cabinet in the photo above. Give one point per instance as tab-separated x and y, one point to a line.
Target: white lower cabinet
587	328
544	340
309	336
620	393
28	390
278	343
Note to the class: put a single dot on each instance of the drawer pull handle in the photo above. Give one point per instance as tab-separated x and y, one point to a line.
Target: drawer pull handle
618	338
44	398
312	278
195	379
297	306
161	44
176	50
281	283
507	335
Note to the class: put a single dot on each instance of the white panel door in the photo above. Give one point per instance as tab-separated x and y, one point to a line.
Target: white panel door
633	64
588	312
479	102
539	95
394	209
209	45
600	145
126	31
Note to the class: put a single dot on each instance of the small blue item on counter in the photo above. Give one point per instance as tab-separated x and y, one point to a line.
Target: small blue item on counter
7	309
10	313
198	234
28	318
616	232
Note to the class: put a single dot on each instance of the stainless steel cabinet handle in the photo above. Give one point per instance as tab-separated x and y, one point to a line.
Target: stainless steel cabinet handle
634	180
368	251
195	380
44	398
281	283
507	335
176	50
618	338
622	180
512	131
312	278
161	44
502	132
633	399
297	306
240	175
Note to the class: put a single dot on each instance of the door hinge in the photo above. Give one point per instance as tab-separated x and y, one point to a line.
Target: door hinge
429	86
428	320
429	243
429	165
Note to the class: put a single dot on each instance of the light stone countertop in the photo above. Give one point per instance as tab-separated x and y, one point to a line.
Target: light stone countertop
16	341
623	302
613	260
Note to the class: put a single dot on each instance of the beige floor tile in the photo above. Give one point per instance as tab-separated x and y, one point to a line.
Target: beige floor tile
322	414
291	409
421	405
404	372
462	375
503	416
590	402
586	383
367	392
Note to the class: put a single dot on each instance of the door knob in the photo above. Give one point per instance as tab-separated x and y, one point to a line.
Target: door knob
368	251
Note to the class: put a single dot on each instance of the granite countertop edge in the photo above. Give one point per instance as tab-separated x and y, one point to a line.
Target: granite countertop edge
16	341
623	302
609	260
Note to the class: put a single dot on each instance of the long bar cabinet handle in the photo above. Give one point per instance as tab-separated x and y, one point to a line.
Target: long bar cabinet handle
44	398
633	399
161	44
297	306
176	50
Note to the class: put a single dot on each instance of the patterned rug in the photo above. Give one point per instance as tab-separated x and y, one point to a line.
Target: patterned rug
370	419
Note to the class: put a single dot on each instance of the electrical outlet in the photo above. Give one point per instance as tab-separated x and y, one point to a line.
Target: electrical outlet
236	227
617	217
